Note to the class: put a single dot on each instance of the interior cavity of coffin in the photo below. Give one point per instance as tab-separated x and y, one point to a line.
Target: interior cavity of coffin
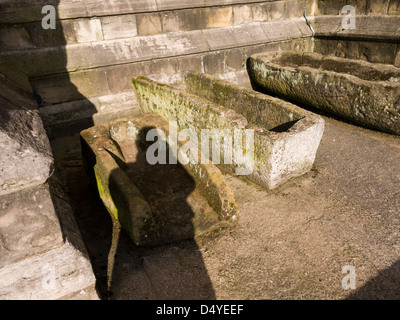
286	137
363	92
155	204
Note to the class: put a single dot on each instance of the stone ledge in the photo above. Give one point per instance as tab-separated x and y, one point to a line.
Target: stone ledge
328	7
80	57
370	27
30	213
60	272
99	108
48	276
30	35
26	159
30	10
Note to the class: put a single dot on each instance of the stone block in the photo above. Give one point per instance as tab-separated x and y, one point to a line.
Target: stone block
62	273
218	17
118	7
88	30
196	19
72	58
327	7
242	14
68	113
117	27
191	63
173	21
27	159
74	86
28	224
178	4
148	24
22	11
119	76
234	59
378	6
377	52
394	8
116	102
276	10
397	59
150	47
15	86
293	9
214	62
235	36
70	9
281	30
376	27
227	2
260	12
14	37
61	269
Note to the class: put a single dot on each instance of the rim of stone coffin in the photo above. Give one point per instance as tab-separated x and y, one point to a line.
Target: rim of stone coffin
279	156
363	92
139	221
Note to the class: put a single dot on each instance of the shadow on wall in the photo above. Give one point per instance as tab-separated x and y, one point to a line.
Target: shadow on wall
385	286
175	271
52	87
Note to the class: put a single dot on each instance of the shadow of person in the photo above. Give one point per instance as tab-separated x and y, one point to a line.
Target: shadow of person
385	286
169	271
29	40
174	267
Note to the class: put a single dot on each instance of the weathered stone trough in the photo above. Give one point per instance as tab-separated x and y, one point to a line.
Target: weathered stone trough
363	92
286	137
155	203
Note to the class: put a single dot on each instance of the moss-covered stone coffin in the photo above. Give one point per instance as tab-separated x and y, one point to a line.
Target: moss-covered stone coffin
286	137
365	93
155	203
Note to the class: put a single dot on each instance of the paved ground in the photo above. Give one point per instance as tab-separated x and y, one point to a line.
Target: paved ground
291	243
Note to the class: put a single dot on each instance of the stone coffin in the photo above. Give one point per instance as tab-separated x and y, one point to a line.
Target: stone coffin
286	137
365	93
155	203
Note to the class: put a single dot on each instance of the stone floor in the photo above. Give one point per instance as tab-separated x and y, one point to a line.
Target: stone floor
291	243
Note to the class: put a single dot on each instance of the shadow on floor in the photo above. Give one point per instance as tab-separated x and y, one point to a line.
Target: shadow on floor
168	272
385	286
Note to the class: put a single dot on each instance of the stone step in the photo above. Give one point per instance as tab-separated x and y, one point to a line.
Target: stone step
110	26
50	261
83	56
21	11
102	94
382	28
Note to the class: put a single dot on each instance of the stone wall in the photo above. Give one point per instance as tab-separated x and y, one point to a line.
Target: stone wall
376	35
82	70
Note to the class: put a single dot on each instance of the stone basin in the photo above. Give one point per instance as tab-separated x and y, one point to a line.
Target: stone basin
286	137
365	93
154	203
